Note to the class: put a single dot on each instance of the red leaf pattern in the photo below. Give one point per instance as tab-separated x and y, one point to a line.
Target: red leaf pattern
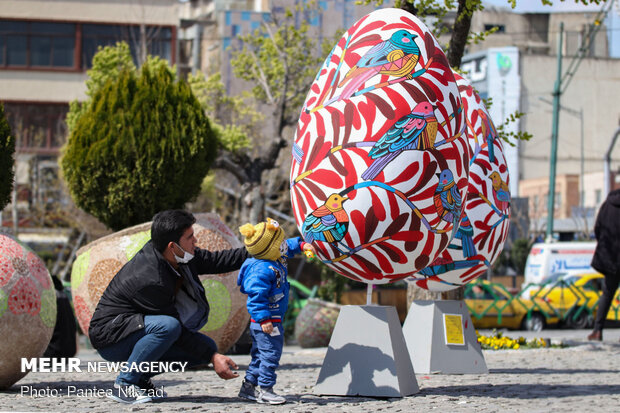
490	228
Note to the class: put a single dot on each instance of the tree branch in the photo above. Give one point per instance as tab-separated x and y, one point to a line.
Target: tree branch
224	162
261	77
269	158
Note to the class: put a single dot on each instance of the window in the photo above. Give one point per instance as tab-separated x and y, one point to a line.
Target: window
597	196
33	45
38	128
500	27
37	44
158	40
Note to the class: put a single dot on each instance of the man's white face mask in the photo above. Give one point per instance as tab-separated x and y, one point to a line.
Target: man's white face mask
186	256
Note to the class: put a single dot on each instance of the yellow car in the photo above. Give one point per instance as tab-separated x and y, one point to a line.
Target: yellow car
492	306
576	296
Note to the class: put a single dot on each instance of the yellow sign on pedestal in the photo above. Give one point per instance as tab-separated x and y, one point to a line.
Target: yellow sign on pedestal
453	329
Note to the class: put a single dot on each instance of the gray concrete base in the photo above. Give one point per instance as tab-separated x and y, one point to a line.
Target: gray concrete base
437	347
367	355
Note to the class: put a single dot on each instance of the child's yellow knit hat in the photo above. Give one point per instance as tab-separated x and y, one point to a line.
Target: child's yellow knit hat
263	240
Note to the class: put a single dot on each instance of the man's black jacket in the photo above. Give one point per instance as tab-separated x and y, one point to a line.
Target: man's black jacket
146	286
606	258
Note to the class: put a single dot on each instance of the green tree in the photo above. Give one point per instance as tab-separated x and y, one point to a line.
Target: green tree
7	151
139	145
280	61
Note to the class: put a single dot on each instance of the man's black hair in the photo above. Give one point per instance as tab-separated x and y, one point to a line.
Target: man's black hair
169	226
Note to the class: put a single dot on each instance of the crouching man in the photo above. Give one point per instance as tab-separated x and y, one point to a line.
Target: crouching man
154	307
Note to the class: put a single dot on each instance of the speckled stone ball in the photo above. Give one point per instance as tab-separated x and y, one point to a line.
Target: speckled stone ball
98	262
27	308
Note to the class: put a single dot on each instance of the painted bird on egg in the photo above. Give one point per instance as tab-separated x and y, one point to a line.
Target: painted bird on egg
399	45
396	56
447	198
328	223
417	130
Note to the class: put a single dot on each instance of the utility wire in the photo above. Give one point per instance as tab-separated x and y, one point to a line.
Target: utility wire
585	45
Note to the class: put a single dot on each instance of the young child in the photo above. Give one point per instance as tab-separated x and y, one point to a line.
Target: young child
263	279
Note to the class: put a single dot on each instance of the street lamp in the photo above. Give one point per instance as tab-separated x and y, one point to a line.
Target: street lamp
578	114
554	139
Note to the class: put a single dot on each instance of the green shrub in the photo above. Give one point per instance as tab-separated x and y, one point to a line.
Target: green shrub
142	144
7	150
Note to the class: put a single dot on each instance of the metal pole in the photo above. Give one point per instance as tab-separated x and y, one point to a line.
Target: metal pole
554	139
582	193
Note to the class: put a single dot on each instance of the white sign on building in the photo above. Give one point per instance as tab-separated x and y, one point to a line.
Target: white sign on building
494	73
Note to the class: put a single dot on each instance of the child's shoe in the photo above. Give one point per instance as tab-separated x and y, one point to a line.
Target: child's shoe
248	391
266	395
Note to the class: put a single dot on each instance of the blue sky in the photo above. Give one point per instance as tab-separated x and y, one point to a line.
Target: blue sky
533	6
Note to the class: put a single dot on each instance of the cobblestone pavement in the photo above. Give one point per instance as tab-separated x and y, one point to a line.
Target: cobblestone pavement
582	375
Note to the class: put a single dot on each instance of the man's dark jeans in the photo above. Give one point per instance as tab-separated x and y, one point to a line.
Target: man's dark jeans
610	285
155	342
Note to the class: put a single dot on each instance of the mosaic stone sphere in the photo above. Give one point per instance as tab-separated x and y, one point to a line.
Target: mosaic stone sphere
486	218
315	323
27	308
380	159
98	262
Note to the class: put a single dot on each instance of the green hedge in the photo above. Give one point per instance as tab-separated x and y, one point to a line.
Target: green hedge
7	151
142	145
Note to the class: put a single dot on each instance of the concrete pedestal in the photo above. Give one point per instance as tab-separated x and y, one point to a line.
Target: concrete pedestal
441	338
367	355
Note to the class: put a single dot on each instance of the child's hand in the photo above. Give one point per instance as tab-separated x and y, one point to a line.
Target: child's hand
309	250
267	327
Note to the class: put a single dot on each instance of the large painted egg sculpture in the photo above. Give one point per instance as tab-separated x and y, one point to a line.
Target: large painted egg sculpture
27	308
485	221
98	262
380	158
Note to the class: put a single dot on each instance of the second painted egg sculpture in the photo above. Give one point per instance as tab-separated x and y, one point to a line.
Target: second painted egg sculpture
380	157
486	218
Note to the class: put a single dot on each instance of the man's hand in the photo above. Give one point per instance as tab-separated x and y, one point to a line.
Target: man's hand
267	327
222	365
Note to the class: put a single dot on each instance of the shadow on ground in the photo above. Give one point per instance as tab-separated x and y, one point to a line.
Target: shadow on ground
551	371
523	391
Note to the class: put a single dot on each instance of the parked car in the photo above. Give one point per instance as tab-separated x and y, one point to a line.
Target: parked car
492	306
576	296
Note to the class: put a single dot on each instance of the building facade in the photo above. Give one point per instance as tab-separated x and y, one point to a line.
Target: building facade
46	47
588	116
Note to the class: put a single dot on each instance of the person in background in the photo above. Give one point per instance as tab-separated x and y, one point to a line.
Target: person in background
64	338
264	279
606	258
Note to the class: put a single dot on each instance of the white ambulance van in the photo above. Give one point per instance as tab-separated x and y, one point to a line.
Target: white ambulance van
546	259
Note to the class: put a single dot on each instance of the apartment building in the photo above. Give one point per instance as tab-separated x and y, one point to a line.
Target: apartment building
46	47
588	117
210	28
